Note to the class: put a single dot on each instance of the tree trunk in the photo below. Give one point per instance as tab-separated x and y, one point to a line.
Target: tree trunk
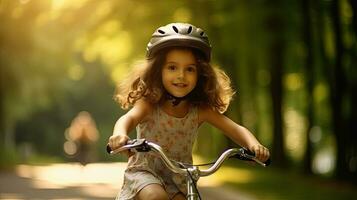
337	94
276	51
352	93
309	66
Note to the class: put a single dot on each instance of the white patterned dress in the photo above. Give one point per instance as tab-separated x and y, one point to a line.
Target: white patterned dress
176	136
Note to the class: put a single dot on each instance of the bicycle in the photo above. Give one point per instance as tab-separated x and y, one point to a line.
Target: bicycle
192	172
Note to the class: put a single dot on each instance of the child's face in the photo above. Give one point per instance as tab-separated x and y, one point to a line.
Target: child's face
179	73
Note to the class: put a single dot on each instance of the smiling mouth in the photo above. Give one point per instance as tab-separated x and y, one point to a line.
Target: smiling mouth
180	84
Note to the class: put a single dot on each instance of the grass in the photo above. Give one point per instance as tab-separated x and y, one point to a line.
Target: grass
8	159
41	159
274	184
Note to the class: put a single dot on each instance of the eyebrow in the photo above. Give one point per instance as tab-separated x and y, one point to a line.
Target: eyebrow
173	62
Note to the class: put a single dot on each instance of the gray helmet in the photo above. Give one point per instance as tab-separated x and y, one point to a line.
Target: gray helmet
180	35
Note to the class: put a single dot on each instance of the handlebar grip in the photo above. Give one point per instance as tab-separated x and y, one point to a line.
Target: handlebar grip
108	149
137	144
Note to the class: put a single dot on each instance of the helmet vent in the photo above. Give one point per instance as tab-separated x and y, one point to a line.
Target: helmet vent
189	30
178	35
175	29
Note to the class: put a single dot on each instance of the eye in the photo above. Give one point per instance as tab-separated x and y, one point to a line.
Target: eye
191	68
171	67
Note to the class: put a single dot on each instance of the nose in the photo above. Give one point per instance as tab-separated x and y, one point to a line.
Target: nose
181	74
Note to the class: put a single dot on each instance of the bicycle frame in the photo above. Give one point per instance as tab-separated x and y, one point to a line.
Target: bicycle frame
192	173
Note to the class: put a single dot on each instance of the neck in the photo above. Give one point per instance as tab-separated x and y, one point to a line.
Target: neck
179	110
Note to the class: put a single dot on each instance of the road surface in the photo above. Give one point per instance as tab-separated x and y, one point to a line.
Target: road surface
71	181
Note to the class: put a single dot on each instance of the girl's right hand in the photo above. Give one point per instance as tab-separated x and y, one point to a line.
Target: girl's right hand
116	141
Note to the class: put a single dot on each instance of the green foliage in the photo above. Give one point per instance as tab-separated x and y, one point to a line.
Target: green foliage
58	58
8	158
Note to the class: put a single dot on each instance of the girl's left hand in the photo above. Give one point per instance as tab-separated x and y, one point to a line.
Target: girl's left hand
261	152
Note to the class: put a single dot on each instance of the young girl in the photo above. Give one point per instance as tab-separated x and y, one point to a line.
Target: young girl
170	96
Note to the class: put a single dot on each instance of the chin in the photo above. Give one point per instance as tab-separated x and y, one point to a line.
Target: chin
178	96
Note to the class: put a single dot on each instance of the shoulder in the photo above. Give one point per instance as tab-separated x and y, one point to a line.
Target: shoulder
207	113
141	109
144	105
217	119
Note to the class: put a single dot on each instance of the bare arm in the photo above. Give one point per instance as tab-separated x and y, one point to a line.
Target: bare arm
128	122
239	134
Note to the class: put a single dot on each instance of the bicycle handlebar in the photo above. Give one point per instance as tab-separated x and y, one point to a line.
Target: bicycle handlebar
142	145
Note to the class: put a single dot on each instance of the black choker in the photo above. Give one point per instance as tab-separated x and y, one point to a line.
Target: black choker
174	100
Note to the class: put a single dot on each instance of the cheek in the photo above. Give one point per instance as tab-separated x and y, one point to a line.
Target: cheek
194	78
193	81
165	79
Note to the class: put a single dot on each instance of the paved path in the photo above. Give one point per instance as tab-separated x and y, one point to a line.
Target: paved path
99	181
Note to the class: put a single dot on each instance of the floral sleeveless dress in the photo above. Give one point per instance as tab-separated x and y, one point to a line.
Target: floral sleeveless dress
176	136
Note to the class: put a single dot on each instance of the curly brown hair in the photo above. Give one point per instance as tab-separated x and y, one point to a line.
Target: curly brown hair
213	87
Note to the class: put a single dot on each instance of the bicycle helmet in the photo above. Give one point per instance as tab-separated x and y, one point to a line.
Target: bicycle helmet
180	35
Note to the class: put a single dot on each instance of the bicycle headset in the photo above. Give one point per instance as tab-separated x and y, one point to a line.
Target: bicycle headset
179	35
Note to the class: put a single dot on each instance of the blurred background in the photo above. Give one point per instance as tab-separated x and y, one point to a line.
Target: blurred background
292	63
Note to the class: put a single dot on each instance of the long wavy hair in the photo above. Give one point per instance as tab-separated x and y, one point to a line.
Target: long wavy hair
213	86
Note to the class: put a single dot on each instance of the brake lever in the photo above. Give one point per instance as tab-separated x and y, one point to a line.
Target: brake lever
245	154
